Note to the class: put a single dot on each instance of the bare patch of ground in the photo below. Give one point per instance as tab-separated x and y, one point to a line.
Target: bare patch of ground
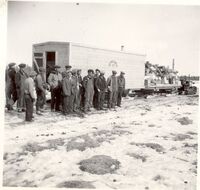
155	146
37	147
158	178
100	164
191	133
137	156
81	143
181	137
195	146
184	121
76	184
33	147
85	141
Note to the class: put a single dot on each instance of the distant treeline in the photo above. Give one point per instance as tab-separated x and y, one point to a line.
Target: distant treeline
189	77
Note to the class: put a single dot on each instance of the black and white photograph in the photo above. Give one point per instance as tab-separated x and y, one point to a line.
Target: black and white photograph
101	95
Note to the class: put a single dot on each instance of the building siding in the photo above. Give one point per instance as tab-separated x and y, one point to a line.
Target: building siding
133	65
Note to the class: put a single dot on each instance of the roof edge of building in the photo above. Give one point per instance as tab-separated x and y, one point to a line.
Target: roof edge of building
87	46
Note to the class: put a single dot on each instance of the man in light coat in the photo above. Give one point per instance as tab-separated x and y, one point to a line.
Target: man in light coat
29	95
112	90
40	91
75	91
67	92
55	81
88	84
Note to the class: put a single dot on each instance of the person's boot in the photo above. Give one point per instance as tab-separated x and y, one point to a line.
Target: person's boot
42	110
38	112
19	110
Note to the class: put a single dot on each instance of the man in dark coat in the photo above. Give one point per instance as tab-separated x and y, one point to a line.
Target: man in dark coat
21	76
121	87
96	93
11	92
55	81
40	91
101	86
88	84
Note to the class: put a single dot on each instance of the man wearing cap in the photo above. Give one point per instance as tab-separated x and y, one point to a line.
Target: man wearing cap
55	81
68	67
101	86
11	92
75	89
121	87
40	91
88	84
29	95
112	84
20	78
67	92
80	96
96	93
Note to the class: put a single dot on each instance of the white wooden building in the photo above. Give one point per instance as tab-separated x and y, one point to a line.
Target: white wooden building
85	57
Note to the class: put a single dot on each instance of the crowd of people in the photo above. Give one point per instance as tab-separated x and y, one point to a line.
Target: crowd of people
70	92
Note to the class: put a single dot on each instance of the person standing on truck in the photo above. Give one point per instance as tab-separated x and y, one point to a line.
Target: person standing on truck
29	95
121	87
88	84
11	92
55	81
101	86
67	92
40	91
20	78
96	93
112	84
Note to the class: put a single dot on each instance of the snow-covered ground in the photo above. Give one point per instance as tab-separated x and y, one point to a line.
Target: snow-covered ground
155	141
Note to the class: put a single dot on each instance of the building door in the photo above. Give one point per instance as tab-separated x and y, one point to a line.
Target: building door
50	62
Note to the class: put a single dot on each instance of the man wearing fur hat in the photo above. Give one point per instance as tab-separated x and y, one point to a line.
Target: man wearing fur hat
29	95
20	78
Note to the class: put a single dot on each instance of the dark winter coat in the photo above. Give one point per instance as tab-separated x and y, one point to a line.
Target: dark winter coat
100	83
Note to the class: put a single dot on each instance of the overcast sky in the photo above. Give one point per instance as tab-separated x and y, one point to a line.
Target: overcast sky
161	32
